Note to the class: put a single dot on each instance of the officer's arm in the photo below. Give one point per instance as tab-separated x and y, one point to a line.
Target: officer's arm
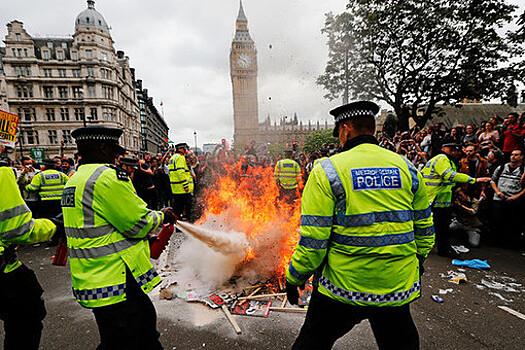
317	210
35	183
122	208
33	231
65	178
444	169
423	222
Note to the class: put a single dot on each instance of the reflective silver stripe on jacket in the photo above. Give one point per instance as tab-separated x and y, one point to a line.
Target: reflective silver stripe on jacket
89	232
13	212
135	230
88	197
18	231
97	252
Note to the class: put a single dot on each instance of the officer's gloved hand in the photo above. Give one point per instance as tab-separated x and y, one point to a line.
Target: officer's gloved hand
421	267
59	223
169	216
292	293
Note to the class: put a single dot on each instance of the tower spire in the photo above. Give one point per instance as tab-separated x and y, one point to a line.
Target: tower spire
242	16
91	4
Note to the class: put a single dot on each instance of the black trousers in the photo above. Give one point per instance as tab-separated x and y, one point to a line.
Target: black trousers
131	324
50	209
328	320
442	220
181	204
21	308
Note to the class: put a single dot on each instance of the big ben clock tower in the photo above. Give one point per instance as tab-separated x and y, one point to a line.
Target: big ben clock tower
243	70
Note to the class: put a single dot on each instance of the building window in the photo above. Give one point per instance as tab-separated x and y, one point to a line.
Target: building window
79	114
48	72
77	92
64	113
19	52
60	55
24	91
45	54
108	114
50	114
26	113
74	55
53	139
90	72
62	92
104	56
64	46
23	71
48	92
18	37
89	54
25	53
30	137
94	114
76	73
91	90
105	73
62	73
107	92
50	44
66	136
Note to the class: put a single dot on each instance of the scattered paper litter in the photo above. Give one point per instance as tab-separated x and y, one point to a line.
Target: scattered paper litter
445	291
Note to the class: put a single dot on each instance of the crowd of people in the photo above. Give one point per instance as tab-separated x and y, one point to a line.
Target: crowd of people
482	211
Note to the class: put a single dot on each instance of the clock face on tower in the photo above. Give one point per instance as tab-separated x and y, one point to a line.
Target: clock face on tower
244	61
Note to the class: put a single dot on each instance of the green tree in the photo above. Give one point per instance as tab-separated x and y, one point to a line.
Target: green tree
416	54
316	139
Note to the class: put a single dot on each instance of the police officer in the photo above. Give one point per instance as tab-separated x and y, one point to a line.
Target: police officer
366	226
440	176
181	181
21	305
49	184
107	226
287	173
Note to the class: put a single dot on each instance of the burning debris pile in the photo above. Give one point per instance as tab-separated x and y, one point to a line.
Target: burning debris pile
246	235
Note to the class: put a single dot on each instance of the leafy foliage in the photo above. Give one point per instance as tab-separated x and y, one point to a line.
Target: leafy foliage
316	139
415	54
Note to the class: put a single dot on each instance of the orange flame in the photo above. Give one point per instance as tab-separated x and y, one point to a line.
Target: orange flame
251	203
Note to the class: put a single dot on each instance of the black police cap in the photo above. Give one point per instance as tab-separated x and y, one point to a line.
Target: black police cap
99	133
182	145
353	110
129	161
49	161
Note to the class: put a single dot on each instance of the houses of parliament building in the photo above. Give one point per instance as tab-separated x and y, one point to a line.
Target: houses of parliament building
243	71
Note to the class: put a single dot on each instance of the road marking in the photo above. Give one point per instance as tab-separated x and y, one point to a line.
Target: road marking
514	312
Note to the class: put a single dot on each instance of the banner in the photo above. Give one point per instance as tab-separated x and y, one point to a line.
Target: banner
8	127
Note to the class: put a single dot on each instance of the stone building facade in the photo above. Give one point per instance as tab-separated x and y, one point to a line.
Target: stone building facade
58	84
153	127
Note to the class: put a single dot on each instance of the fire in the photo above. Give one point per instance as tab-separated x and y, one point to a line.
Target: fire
251	204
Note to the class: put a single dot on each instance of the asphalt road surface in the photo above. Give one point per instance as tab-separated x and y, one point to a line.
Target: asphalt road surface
469	317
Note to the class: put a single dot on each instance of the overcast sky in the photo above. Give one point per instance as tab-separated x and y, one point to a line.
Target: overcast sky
180	49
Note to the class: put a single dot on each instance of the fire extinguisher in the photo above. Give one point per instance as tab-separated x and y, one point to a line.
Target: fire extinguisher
60	258
161	241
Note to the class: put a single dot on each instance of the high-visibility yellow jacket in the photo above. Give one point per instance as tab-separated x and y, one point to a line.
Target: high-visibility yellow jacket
287	173
106	224
180	176
365	216
440	175
49	184
17	225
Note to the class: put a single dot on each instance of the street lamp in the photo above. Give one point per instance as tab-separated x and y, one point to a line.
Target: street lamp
195	135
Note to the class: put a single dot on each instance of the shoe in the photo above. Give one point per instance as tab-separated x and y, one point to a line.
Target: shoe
448	253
